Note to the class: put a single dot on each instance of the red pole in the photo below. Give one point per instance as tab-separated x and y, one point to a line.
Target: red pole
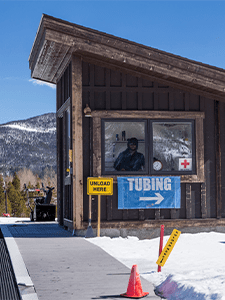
161	244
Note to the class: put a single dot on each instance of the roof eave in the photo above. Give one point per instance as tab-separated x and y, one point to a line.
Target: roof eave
57	40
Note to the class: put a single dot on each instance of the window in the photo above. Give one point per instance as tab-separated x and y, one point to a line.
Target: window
128	146
173	147
168	143
124	146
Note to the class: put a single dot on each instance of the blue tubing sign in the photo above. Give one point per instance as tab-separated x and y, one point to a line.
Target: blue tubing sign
148	192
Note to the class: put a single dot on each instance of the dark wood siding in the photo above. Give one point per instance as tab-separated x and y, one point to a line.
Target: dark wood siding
105	89
64	197
222	137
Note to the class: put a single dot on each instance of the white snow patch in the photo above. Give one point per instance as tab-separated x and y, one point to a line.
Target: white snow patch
194	269
30	129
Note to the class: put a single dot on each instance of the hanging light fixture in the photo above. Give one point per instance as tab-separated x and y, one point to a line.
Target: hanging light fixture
87	111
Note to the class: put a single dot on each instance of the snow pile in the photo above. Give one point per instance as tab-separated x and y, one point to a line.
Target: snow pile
194	270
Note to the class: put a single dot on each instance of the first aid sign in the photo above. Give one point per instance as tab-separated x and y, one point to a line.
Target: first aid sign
99	186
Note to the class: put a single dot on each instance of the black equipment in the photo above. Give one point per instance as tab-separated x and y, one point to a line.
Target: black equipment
43	210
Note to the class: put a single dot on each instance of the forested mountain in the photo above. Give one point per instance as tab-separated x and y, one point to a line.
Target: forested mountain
29	144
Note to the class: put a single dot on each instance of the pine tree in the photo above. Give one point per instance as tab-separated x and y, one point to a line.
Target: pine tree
2	196
16	200
16	182
9	207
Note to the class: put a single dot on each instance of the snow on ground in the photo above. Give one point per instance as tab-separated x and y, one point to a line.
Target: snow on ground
11	220
195	268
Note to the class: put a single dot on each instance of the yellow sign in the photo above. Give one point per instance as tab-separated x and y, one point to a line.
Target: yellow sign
168	248
99	186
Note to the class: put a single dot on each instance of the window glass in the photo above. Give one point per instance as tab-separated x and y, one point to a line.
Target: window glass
124	146
172	146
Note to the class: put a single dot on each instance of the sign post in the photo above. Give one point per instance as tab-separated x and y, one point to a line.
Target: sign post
168	248
99	186
161	244
99	215
89	233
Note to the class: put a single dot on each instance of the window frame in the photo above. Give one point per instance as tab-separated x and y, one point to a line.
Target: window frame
175	173
144	172
198	118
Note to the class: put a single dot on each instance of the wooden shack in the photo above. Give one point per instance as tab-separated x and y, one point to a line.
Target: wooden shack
122	83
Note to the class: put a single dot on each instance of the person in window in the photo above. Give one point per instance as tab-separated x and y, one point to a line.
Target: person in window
130	159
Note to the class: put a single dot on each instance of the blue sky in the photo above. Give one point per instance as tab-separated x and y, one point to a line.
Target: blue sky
192	29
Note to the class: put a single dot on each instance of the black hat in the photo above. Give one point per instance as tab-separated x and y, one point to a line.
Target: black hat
132	140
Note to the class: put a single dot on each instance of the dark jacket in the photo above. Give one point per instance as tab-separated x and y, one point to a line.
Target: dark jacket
129	162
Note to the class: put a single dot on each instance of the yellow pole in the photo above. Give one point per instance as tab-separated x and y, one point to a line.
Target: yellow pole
99	215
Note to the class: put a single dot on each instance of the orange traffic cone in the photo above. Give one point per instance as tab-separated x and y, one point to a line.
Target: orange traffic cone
134	289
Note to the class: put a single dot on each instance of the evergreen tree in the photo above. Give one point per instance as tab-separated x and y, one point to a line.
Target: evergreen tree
9	207
16	200
16	182
26	211
2	196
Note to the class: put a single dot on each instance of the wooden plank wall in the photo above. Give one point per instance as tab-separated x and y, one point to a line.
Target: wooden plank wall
222	139
105	89
64	193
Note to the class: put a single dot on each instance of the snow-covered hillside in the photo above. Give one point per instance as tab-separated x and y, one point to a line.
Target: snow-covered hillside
29	144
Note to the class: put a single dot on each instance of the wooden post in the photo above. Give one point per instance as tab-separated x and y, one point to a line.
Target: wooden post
203	201
188	201
218	159
77	142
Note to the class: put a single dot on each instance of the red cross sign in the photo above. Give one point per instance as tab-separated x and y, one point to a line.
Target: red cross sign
185	164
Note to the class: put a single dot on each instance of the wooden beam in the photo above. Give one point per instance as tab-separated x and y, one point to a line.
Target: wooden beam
108	104
152	114
218	159
188	201
124	91
199	137
203	201
164	64
156	107
109	207
97	147
77	142
175	213
59	143
150	224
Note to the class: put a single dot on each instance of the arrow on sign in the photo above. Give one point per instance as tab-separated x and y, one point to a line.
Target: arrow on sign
159	198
